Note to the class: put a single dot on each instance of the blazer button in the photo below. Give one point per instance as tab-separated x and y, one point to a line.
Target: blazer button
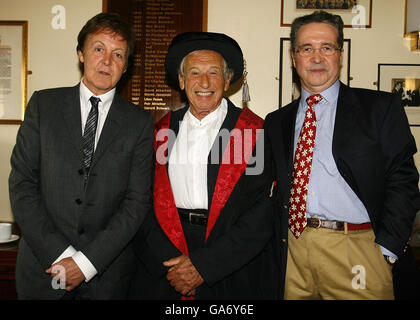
81	172
81	231
283	240
78	201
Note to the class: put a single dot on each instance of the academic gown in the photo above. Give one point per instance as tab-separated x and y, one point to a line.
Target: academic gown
236	261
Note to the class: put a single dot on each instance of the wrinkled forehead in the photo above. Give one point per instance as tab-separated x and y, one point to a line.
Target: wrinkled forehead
317	32
204	55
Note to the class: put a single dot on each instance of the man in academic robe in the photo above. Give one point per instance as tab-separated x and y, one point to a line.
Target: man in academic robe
209	236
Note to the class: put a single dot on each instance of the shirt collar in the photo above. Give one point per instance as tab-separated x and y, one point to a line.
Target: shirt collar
329	95
212	116
106	98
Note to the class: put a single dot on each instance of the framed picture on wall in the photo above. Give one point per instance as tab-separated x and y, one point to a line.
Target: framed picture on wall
403	80
13	70
412	23
411	16
289	83
355	13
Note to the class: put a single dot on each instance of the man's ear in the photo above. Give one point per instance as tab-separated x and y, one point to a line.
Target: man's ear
80	55
227	82
341	57
181	82
293	58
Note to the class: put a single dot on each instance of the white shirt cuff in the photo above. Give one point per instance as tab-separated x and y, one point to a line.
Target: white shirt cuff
67	253
87	268
386	252
89	271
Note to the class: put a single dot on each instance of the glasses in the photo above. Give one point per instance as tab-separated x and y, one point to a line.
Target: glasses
325	51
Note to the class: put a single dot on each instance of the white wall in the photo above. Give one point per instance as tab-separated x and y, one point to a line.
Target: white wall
255	24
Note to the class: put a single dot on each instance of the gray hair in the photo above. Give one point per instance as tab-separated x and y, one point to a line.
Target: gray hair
226	70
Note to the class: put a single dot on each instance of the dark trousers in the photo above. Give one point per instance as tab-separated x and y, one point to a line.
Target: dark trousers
79	293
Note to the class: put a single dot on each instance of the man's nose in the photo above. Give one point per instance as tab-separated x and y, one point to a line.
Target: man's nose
316	55
107	58
204	81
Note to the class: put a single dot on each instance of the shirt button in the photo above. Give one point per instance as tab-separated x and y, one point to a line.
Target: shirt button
78	201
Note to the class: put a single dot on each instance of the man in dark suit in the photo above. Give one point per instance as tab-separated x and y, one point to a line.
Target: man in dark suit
347	189
415	98
81	179
209	236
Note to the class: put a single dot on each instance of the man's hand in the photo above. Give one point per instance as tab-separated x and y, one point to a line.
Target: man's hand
182	275
73	275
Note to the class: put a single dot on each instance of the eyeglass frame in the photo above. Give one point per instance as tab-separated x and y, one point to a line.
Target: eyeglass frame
320	51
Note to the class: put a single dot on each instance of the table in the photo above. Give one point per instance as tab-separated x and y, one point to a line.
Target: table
8	254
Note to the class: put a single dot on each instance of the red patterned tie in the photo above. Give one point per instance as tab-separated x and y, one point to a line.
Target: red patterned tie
302	169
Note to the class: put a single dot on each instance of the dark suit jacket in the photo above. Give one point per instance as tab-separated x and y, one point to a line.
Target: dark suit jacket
236	261
51	205
373	149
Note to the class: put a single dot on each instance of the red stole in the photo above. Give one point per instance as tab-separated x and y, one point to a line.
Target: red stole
234	162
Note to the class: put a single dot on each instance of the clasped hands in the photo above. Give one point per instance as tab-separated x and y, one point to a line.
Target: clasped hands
71	272
182	275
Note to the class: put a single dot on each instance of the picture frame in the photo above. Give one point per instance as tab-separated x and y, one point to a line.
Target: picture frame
13	71
359	16
412	23
289	83
411	17
404	80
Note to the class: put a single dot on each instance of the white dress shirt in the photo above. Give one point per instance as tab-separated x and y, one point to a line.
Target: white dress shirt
188	159
103	108
87	268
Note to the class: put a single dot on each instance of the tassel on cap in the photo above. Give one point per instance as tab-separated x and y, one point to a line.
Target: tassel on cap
245	89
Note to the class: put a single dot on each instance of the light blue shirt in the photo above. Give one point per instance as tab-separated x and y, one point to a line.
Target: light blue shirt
329	195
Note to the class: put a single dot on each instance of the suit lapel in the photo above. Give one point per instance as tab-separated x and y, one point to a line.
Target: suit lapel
228	124
230	171
347	107
72	118
111	128
163	199
288	134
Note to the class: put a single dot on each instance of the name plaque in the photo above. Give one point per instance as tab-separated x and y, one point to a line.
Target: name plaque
155	23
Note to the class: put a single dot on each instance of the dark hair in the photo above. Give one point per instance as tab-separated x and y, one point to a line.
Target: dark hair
317	16
107	21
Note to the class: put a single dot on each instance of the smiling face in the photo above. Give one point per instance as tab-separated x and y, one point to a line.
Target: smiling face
317	73
204	81
104	57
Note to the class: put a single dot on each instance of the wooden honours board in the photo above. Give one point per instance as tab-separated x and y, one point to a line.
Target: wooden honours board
155	23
